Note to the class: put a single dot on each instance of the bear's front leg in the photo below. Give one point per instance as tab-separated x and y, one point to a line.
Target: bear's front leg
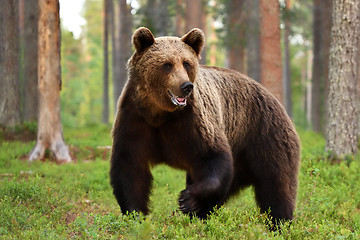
207	185
130	177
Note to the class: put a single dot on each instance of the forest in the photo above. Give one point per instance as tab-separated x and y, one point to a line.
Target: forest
58	100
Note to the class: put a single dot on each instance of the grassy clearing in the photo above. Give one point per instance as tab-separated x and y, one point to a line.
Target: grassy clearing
44	200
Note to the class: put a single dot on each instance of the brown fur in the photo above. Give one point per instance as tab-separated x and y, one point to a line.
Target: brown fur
232	133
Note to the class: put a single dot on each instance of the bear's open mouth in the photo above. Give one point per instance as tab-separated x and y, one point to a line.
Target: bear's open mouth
178	101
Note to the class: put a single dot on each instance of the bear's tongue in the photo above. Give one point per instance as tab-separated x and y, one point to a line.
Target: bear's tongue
181	100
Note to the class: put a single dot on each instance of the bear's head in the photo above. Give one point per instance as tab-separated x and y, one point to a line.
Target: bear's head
165	68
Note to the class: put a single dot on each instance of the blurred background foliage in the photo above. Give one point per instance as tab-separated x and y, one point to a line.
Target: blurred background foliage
82	58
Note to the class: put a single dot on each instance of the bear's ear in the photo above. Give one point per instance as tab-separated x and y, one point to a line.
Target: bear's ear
195	39
142	39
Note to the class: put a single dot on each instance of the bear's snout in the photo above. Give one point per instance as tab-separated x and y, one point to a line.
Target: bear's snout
186	88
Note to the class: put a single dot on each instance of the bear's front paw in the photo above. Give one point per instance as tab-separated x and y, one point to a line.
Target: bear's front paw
189	205
187	202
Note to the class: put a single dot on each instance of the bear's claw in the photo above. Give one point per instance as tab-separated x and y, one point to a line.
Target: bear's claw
187	203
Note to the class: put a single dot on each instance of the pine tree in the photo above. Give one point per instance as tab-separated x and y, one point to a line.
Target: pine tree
271	64
342	126
49	134
9	64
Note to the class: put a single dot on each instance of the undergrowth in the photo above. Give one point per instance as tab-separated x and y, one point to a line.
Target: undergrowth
43	200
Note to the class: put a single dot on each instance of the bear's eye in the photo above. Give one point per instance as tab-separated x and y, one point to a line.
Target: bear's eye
186	65
168	66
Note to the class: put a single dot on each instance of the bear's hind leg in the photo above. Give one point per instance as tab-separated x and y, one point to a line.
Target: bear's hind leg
278	197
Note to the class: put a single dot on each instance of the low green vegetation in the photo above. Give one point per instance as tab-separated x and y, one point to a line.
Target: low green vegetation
43	200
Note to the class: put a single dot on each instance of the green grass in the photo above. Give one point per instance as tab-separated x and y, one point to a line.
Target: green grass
43	200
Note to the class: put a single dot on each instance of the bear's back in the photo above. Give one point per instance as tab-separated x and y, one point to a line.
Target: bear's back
241	106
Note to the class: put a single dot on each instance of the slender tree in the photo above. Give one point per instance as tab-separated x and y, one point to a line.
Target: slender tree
49	135
121	46
326	39
157	16
30	45
320	71
252	39
9	64
271	66
105	115
115	40
318	65
179	18
235	34
286	65
196	18
342	125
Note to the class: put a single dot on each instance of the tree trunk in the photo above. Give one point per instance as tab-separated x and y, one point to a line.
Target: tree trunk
358	86
30	43
115	39
308	101
105	115
321	42
342	125
179	18
287	68
253	39
235	35
326	39
9	64
196	18
271	70
122	44
49	71
157	17
318	65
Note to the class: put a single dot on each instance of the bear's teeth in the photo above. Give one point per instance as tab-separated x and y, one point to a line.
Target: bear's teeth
177	100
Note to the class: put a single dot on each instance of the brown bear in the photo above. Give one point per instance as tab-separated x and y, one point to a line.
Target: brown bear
224	129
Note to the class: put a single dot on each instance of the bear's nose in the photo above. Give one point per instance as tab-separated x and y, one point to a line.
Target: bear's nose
187	87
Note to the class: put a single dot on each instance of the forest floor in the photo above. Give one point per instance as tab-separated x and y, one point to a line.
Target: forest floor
44	200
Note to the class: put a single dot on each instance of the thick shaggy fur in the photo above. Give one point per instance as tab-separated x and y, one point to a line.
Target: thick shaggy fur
232	133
